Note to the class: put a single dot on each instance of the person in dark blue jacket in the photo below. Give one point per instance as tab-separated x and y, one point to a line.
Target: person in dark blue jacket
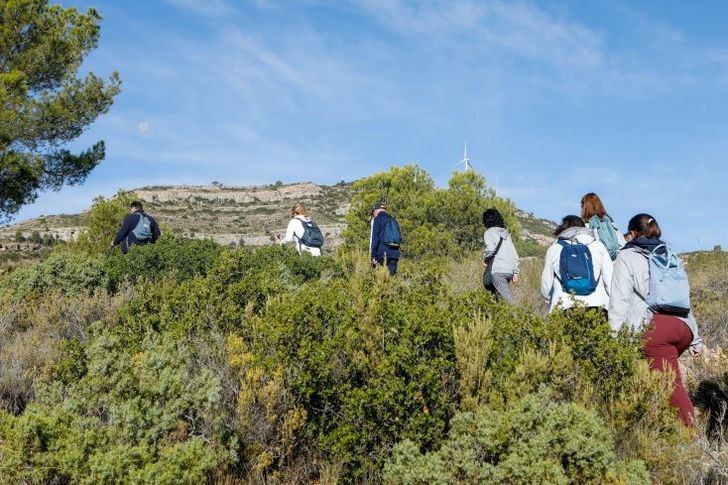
138	228
380	252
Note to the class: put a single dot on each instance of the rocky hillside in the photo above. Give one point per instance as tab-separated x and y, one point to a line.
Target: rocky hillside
255	215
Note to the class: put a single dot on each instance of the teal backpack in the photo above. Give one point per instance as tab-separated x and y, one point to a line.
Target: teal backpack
607	234
392	236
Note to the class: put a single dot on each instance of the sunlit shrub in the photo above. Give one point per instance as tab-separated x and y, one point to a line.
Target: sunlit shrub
536	440
136	415
171	256
68	272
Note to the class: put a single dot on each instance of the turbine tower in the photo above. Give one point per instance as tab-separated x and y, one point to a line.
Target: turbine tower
465	161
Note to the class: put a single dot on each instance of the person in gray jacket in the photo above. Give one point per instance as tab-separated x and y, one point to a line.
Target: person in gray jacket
665	336
500	258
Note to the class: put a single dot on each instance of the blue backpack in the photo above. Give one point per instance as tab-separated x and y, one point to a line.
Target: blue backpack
607	234
576	269
669	287
312	235
392	236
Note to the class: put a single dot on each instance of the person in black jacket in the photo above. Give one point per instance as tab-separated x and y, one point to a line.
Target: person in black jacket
380	252
138	228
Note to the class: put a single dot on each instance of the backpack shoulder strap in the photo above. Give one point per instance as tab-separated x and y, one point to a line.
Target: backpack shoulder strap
497	248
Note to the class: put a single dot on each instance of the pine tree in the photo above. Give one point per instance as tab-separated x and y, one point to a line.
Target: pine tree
44	105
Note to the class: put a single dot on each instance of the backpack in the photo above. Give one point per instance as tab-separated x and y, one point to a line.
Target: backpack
606	233
392	236
312	236
143	230
576	268
669	287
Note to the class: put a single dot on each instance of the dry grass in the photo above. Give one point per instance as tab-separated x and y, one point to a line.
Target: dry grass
31	334
709	284
467	275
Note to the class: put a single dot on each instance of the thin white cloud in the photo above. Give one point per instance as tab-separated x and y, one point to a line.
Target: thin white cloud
212	8
521	28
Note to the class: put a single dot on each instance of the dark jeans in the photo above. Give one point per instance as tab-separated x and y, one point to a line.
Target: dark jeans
391	264
665	340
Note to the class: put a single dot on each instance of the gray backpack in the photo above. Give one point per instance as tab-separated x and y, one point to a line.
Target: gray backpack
143	230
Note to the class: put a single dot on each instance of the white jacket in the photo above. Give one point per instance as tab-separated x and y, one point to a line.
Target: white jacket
632	275
294	233
551	288
506	261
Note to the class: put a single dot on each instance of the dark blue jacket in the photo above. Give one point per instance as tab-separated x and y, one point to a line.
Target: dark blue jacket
378	248
126	237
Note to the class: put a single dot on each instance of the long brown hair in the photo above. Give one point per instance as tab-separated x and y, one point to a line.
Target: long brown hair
298	210
591	205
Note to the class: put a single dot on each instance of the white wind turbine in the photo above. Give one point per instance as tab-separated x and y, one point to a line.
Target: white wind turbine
465	161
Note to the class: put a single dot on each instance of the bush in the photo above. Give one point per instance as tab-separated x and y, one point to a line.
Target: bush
367	362
136	416
210	363
169	256
434	222
67	272
102	223
41	340
536	440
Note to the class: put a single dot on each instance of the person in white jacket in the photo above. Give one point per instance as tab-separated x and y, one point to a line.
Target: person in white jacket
295	230
666	337
572	230
500	258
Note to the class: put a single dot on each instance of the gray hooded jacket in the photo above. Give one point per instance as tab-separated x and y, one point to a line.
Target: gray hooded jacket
632	275
506	261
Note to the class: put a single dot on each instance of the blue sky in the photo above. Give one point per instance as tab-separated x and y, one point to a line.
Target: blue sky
555	99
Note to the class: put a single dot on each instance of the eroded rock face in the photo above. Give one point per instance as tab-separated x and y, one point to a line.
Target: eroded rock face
252	216
255	215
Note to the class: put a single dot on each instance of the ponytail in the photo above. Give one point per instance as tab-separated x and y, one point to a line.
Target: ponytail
644	225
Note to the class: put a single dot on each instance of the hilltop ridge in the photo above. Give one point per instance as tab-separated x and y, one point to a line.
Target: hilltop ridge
249	215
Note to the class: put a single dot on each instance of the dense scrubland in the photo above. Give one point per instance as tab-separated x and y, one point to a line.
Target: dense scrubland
186	362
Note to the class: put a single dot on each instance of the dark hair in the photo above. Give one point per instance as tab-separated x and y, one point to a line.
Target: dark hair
136	205
493	218
567	222
644	225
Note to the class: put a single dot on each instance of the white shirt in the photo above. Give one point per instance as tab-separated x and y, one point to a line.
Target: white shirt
294	233
551	288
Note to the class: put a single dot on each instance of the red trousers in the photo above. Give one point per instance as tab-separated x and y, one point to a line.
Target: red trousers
665	341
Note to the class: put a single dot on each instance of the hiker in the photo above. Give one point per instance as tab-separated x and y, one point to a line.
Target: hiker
138	228
650	291
578	268
605	230
500	258
385	238
303	232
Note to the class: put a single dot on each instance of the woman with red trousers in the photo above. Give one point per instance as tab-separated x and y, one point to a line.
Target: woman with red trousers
667	334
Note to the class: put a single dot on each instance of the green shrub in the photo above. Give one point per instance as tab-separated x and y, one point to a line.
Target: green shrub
536	440
439	222
67	272
264	365
102	223
136	415
368	359
170	256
